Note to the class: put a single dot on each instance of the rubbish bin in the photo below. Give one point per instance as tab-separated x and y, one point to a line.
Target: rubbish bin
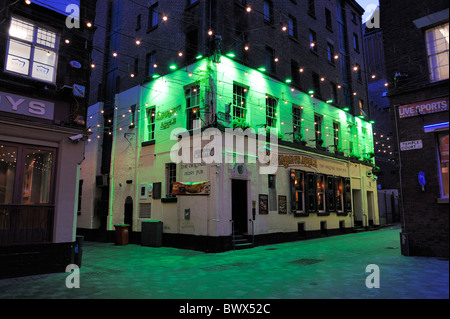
78	251
151	234
122	236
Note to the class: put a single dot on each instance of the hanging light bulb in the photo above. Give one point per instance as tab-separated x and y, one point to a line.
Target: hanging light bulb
249	9
138	42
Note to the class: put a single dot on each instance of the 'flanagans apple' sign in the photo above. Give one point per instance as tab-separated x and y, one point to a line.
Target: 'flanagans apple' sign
22	105
425	107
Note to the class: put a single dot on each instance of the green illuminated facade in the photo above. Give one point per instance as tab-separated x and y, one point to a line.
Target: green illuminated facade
323	185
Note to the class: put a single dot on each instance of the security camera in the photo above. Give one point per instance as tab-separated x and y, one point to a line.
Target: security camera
76	137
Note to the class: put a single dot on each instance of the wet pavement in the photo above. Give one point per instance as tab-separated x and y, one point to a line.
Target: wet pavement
324	268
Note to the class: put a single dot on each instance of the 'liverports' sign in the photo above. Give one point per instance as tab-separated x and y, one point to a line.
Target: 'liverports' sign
425	107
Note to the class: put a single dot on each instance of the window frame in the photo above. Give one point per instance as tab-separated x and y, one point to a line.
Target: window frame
153	21
33	45
432	77
241	97
171	178
151	122
271	111
191	108
439	158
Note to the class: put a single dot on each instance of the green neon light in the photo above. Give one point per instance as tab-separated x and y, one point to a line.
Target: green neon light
231	55
330	101
288	80
155	76
173	67
311	92
346	109
198	57
372	122
262	69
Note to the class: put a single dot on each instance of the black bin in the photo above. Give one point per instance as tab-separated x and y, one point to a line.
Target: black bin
151	234
78	251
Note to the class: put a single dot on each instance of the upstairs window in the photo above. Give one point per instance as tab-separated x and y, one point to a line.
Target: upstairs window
192	106
271	111
151	114
437	50
268	11
153	17
239	101
32	51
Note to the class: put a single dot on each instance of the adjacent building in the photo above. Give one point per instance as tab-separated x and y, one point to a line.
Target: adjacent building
416	44
44	73
170	71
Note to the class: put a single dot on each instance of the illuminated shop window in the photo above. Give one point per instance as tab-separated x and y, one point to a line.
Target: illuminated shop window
32	51
437	42
297	191
340	194
321	193
443	163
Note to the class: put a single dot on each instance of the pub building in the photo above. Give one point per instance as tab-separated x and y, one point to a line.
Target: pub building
43	70
220	198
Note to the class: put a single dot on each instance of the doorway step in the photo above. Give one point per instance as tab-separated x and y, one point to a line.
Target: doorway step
240	241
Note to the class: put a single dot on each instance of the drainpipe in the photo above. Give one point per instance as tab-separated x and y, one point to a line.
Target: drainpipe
400	167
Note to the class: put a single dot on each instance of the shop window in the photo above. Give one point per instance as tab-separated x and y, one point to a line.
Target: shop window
311	190
271	111
437	50
151	114
171	177
32	169
192	106
321	193
32	51
239	101
339	194
443	163
297	191
330	196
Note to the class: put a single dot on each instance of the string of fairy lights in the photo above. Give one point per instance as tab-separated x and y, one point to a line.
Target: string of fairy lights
164	18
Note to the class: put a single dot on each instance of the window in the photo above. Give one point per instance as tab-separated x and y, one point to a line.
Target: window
320	193
353	15
272	192
339	194
138	22
297	191
191	45
359	76
171	177
191	2
361	107
334	93
355	42
270	60
239	101
271	111
292	27
30	167
32	51
336	136
316	84
312	7
312	41
437	40
311	192
268	11
330	52
295	73
151	114
150	62
318	129
153	17
192	95
297	121
443	163
136	67
328	22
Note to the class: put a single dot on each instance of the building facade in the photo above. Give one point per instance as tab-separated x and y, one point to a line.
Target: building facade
416	46
228	64
44	72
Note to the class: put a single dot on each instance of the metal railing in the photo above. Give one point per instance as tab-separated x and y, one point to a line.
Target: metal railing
25	224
